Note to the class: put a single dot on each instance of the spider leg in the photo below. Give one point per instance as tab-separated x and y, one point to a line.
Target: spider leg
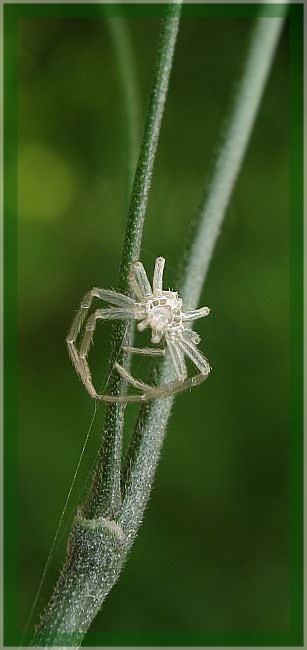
77	324
79	357
194	314
195	355
114	298
157	282
185	345
123	399
80	317
137	383
153	392
109	296
190	335
177	357
138	281
174	387
153	352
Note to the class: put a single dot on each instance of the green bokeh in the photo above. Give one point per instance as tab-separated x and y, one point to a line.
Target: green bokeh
213	552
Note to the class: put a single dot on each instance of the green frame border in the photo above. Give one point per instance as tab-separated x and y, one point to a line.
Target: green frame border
11	14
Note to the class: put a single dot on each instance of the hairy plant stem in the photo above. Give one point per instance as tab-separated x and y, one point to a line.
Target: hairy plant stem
231	153
105	496
143	455
98	544
102	535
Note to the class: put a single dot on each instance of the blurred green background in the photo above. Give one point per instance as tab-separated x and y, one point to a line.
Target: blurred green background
213	552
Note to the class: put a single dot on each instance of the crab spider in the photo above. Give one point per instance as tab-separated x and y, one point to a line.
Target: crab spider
152	307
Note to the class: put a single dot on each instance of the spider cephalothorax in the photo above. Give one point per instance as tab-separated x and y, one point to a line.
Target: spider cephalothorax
161	313
152	307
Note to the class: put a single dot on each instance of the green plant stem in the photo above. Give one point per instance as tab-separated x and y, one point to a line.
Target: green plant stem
105	496
146	444
227	167
97	544
143	175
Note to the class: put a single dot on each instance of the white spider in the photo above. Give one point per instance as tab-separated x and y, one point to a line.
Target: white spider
152	307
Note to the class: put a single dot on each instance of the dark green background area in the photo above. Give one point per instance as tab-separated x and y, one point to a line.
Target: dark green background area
213	554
